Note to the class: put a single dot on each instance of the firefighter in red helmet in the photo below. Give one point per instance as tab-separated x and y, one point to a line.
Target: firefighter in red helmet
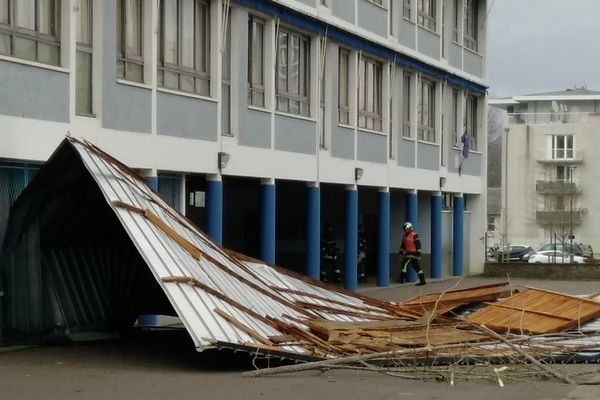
411	248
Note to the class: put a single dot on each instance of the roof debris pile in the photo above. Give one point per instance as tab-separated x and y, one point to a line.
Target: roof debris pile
227	300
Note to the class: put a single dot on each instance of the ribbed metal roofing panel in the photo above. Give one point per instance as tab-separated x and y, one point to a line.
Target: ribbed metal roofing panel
223	281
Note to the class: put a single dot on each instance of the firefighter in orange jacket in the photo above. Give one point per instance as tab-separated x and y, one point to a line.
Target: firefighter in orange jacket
411	247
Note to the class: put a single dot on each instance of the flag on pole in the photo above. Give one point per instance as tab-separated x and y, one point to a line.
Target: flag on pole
464	150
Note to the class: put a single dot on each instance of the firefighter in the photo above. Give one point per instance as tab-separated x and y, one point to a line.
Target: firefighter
330	270
362	255
411	248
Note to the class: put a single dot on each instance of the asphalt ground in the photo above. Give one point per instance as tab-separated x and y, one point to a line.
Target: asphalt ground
163	364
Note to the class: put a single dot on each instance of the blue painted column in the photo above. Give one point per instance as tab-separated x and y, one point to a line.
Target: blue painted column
383	237
457	236
313	233
214	208
411	216
267	221
351	239
436	235
150	319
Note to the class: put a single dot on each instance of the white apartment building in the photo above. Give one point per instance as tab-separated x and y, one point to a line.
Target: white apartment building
261	120
549	169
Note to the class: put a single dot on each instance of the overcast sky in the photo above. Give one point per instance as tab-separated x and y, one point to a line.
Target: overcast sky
537	46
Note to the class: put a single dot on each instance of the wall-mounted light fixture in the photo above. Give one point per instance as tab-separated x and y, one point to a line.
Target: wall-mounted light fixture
358	173
222	159
442	181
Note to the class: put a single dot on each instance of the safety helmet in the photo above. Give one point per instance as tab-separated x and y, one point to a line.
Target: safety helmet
407	226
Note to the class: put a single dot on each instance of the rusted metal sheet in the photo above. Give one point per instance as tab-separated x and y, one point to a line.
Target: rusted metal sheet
537	311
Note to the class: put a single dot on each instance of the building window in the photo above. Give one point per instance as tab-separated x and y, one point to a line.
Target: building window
369	94
447	201
471	121
322	64
169	188
491	223
185	46
471	25
31	30
454	117
130	22
256	60
293	73
426	14
562	147
406	9
406	105
426	111
83	75
343	87
457	18
226	80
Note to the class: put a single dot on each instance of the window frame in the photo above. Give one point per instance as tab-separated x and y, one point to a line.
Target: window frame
456	22
471	110
344	103
201	78
374	115
406	105
14	32
127	61
85	49
426	122
567	149
226	54
406	10
427	14
256	89
455	117
301	99
471	26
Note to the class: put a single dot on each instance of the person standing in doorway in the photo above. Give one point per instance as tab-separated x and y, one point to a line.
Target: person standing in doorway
411	249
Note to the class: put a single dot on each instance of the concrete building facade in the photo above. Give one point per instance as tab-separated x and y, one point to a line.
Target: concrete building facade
263	120
549	168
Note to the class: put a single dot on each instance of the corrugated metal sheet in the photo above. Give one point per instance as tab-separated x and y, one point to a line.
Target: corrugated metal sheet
221	300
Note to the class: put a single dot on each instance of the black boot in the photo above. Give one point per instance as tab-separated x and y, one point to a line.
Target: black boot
421	280
402	278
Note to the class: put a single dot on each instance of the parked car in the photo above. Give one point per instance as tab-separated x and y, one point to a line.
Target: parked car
554	257
513	253
564	247
587	250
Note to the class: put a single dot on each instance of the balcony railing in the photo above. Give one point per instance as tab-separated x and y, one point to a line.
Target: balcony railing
558	186
552	118
559	217
571	156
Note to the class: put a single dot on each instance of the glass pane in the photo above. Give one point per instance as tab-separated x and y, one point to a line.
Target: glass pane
282	70
202	38
133	21
119	28
257	54
170	32
203	86
187	83
135	72
25	48
26	14
226	62
294	65
187	33
83	84
171	80
4	44
48	54
4	11
46	17
361	85
343	80
84	34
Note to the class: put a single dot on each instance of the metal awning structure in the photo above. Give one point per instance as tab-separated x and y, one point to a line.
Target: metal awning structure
223	299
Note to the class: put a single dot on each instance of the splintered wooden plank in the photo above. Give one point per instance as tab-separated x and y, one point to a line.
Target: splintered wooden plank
537	311
421	337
